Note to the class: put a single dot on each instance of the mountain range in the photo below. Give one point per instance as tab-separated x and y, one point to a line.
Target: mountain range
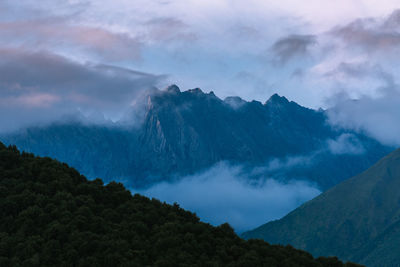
181	133
358	220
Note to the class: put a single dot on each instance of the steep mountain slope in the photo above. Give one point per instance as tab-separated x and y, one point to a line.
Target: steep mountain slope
96	150
185	132
359	219
52	216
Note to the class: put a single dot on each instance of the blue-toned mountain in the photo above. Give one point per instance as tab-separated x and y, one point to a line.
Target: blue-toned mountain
181	133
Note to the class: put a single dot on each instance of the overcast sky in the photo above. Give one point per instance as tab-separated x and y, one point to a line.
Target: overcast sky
97	56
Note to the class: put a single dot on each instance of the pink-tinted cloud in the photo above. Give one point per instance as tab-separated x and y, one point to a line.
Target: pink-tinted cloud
371	34
42	87
57	33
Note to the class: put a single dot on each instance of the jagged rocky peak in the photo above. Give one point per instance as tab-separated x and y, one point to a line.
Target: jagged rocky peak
211	93
195	91
277	99
172	95
155	97
173	89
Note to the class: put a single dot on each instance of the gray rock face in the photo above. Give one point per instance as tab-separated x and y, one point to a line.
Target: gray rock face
185	132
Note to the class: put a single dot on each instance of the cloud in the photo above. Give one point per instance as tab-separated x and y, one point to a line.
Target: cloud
166	29
373	35
346	144
393	21
367	98
355	60
356	70
224	194
286	163
40	87
292	46
58	34
379	116
235	102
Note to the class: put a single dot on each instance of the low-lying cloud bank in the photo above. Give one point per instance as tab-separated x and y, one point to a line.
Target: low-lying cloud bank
225	194
41	87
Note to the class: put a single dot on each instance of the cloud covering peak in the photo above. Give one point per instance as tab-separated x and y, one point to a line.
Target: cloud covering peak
39	87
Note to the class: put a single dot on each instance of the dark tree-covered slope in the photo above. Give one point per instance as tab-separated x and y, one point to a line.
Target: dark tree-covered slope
185	132
53	216
357	220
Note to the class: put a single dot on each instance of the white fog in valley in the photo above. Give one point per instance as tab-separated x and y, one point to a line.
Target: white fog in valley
223	194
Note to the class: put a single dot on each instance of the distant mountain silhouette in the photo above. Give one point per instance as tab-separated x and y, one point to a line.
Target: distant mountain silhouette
185	132
357	220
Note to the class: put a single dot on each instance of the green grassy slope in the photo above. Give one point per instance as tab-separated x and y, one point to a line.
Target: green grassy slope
358	219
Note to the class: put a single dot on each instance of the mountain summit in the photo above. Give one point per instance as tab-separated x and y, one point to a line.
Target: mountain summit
173	89
277	99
